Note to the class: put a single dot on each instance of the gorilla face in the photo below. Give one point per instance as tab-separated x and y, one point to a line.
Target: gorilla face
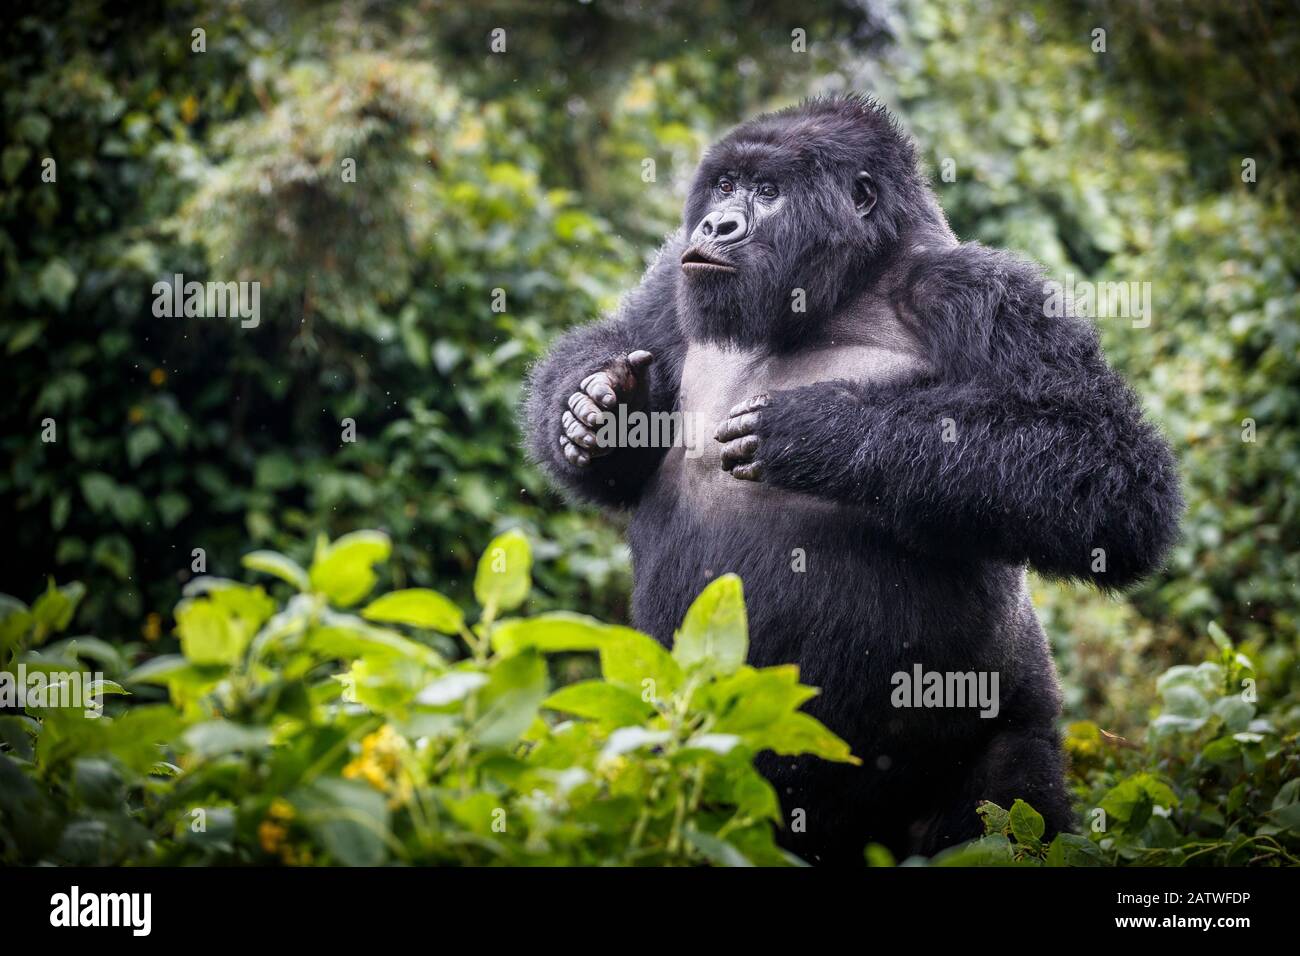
785	219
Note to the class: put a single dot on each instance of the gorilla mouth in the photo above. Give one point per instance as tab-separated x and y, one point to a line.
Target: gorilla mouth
696	259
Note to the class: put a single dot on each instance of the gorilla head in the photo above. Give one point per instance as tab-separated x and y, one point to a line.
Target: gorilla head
810	198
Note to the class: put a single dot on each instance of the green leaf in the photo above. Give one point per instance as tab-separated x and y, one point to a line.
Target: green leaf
418	607
750	699
801	733
1133	797
511	699
57	282
349	817
718	852
54	609
348	637
1026	824
217	627
1219	636
996	819
277	565
504	575
98	489
640	664
599	701
344	571
215	738
141	443
1070	849
556	632
715	633
15	621
24	334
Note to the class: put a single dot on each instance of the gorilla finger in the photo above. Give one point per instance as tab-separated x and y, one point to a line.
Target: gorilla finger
573	454
577	432
750	404
750	472
585	410
639	359
621	375
739	452
599	386
737	427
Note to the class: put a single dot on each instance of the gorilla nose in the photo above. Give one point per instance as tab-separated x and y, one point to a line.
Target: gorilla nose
722	228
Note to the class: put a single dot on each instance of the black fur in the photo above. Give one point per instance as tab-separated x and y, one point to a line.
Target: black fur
924	559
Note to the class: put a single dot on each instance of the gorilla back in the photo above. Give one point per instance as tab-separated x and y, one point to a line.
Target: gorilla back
898	430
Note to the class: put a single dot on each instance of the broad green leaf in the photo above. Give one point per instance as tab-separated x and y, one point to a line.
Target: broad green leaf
418	607
216	627
345	636
1027	824
800	733
715	633
1122	801
640	664
509	702
276	564
54	609
1071	849
559	631
504	574
209	634
344	571
751	699
597	700
349	817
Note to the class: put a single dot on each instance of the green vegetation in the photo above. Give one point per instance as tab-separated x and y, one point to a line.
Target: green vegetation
304	732
182	444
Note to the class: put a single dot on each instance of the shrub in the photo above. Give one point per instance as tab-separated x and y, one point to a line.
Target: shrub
311	731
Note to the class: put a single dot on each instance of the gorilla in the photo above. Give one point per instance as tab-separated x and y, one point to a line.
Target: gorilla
898	426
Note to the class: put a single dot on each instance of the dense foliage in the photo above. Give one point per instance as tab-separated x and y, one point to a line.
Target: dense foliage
496	199
304	732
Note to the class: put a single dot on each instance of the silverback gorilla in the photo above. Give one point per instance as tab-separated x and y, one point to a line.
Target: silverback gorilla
898	427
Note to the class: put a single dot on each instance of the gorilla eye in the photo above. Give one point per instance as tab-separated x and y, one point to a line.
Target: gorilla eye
767	191
726	185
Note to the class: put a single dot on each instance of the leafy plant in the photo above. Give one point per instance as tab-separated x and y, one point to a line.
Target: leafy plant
302	732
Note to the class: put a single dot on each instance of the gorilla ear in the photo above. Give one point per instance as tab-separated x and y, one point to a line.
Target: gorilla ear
864	193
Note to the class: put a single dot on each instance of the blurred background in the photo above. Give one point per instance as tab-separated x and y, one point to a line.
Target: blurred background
1170	155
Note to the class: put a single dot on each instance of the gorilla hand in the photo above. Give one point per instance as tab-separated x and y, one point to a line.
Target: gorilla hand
622	381
740	442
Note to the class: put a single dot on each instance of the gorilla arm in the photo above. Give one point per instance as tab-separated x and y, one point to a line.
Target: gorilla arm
1024	446
567	381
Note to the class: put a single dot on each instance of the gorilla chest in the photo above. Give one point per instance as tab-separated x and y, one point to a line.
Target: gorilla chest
715	378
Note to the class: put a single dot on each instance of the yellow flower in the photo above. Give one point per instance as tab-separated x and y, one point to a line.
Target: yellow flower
271	835
157	377
135	415
380	764
152	629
